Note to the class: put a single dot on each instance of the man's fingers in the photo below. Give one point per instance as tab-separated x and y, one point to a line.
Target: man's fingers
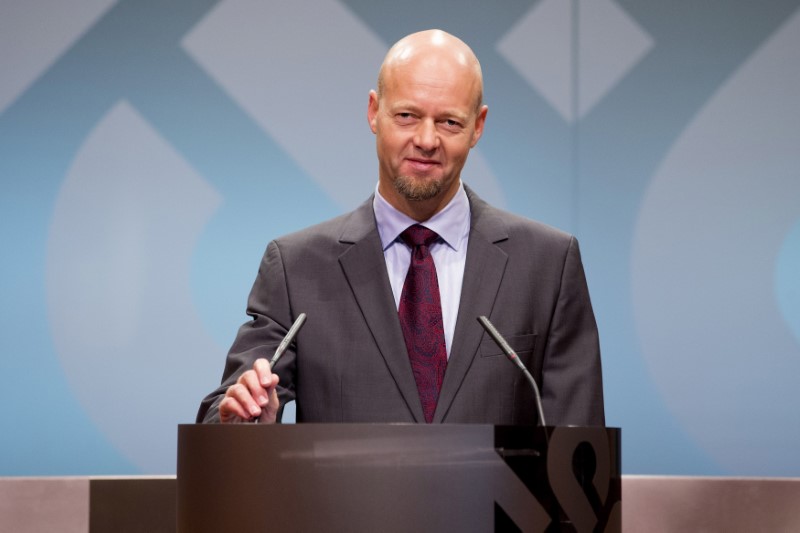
241	393
253	395
257	392
269	414
230	410
263	371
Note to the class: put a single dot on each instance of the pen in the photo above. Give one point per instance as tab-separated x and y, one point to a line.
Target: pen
287	340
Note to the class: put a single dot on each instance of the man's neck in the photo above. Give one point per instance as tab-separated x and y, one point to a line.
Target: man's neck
419	210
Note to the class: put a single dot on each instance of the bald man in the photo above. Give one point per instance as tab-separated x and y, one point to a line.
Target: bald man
392	334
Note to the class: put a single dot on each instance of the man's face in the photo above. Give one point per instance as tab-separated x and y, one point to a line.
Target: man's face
425	121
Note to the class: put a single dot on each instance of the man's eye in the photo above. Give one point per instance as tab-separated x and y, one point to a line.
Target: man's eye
452	124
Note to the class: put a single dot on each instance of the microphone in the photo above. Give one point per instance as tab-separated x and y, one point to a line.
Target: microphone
501	342
287	340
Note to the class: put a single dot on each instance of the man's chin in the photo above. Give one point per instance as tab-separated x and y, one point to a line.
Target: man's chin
418	189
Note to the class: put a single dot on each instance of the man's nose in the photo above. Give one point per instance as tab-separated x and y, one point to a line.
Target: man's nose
427	138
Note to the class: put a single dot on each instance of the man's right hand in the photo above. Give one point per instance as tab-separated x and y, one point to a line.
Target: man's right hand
254	395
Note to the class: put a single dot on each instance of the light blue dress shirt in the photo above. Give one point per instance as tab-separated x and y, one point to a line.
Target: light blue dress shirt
449	252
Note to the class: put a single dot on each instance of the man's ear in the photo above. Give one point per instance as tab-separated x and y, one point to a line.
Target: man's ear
480	121
372	111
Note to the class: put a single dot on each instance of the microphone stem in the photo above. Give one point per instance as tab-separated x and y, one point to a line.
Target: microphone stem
536	390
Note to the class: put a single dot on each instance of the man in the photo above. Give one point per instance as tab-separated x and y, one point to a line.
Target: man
392	336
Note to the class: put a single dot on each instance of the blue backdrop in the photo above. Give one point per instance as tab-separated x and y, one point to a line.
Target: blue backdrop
149	150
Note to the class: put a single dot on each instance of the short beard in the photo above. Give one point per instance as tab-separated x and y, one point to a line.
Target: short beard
417	190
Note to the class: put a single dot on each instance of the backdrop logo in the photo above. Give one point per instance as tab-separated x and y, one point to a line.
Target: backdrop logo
574	52
704	266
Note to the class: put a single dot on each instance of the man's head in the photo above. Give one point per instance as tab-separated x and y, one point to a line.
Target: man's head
426	114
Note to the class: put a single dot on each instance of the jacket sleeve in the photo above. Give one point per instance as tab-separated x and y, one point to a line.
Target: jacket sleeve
269	308
572	384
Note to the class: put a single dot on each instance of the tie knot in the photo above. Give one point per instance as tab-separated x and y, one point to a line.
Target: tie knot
417	235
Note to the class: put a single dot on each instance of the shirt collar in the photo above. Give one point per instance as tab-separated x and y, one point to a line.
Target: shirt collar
450	223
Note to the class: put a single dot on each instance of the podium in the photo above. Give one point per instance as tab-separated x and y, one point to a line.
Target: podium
397	477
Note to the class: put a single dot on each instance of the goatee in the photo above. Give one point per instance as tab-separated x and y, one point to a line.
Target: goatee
417	190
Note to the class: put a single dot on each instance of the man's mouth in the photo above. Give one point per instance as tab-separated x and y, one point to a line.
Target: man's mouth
422	164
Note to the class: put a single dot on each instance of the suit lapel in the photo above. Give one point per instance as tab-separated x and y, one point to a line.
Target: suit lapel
483	272
364	267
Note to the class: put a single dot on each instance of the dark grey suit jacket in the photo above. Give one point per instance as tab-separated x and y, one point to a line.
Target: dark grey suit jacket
350	362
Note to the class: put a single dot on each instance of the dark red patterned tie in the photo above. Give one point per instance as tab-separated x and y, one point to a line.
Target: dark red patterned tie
421	318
